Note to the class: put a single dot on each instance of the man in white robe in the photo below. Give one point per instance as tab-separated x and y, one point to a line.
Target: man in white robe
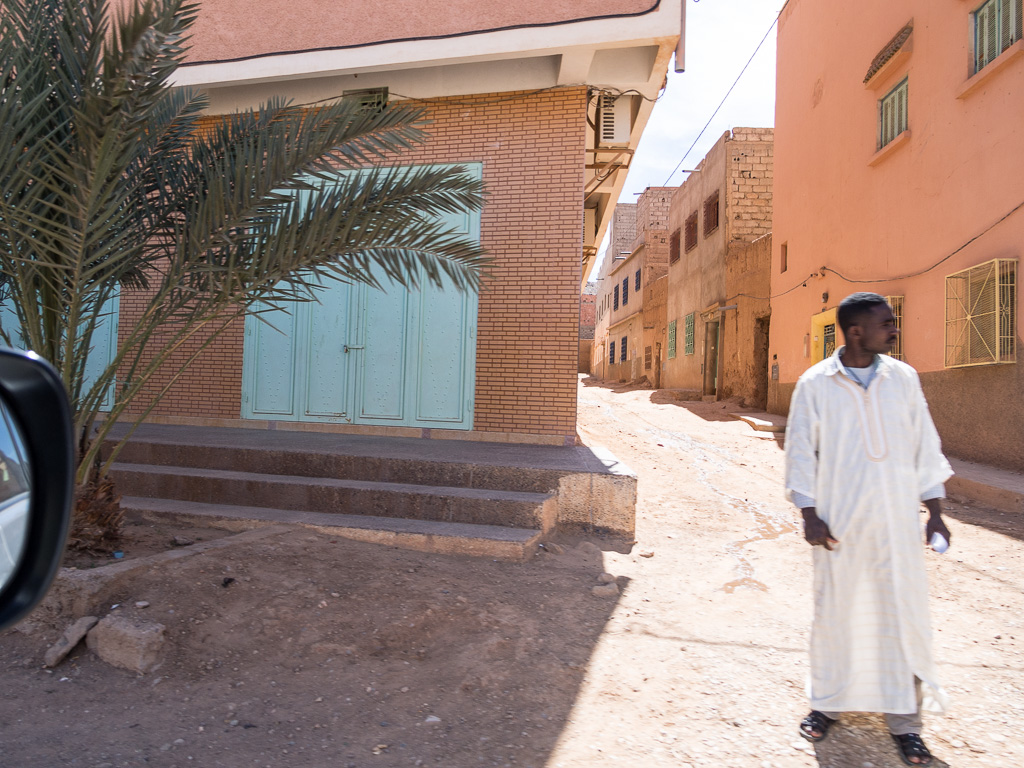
862	454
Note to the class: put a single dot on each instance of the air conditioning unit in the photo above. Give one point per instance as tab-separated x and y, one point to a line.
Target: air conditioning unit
589	226
614	120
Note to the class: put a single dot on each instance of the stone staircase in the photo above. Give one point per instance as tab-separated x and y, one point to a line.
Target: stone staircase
442	496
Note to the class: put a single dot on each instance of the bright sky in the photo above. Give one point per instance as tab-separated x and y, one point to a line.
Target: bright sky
721	35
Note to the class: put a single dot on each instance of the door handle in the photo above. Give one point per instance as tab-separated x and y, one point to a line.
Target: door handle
347	348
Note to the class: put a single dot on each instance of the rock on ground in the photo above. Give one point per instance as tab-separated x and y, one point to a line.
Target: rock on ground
128	643
56	653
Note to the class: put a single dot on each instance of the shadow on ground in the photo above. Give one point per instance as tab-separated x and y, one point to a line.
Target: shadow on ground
855	739
1005	523
303	649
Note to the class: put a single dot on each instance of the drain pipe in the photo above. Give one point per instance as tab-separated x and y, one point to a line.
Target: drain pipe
680	54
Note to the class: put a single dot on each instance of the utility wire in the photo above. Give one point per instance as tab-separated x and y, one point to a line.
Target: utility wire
734	82
937	263
819	273
493	100
801	284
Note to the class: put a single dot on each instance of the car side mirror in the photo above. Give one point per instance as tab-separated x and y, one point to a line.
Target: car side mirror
37	466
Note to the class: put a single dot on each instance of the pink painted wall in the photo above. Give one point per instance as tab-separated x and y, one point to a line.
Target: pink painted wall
232	29
960	169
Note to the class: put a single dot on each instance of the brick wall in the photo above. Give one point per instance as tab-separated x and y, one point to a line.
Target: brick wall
652	209
587	314
531	146
748	207
623	231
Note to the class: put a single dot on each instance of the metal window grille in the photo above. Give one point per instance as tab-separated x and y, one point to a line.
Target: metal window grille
688	335
370	100
673	247
636	286
611	352
829	334
615	297
622	349
892	111
896	302
691	231
997	26
648	356
711	214
981	322
672	340
625	291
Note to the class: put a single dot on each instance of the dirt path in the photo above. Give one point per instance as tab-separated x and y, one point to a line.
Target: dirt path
324	652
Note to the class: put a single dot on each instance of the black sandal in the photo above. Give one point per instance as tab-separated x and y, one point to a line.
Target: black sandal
816	721
912	745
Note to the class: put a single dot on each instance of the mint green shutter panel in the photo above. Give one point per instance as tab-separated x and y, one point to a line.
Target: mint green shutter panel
102	352
104	348
419	364
445	332
326	366
384	369
270	370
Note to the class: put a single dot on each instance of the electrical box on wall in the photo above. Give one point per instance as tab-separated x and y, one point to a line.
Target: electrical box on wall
614	120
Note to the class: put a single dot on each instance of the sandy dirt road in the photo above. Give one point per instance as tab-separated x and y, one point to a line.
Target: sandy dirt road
323	652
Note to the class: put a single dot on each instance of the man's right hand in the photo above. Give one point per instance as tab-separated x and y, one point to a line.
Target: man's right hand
816	530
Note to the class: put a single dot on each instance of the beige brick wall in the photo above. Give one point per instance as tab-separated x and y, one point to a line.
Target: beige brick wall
652	208
531	146
748	206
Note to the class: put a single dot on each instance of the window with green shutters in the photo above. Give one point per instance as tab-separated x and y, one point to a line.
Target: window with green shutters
688	334
997	26
892	114
671	339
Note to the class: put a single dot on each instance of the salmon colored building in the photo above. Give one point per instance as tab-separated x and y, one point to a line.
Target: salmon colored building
898	169
545	101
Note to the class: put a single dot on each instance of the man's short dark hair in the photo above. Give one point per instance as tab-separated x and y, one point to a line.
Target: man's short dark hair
855	306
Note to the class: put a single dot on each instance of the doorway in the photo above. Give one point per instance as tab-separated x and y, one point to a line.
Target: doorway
711	358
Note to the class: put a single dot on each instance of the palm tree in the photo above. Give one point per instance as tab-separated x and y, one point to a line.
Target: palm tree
111	178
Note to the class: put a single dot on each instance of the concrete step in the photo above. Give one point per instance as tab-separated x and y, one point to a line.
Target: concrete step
493	541
315	461
339	496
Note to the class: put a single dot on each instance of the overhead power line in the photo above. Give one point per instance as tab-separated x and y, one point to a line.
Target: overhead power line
719	107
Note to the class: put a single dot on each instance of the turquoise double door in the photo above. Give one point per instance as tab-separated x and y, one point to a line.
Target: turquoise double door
360	355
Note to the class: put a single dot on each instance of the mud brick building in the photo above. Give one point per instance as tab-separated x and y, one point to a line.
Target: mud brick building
629	308
718	309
